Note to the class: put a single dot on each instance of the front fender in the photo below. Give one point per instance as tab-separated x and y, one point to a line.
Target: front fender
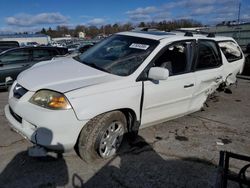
88	106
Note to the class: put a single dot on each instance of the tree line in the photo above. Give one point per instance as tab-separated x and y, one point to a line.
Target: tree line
92	31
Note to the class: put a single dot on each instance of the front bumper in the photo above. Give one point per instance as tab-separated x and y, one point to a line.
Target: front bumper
52	129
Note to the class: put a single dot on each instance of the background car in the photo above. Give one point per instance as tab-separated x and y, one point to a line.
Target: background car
84	47
34	44
73	47
14	61
248	49
5	45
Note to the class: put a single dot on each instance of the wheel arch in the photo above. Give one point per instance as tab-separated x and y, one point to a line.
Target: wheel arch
131	118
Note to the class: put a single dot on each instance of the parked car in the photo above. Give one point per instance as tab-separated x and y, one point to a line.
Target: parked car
73	47
34	44
15	60
84	47
57	44
248	49
5	45
246	70
128	81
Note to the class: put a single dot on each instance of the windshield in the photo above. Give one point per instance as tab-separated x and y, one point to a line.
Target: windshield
120	55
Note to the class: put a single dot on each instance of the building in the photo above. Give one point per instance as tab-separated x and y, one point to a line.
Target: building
81	35
240	32
66	38
24	38
191	29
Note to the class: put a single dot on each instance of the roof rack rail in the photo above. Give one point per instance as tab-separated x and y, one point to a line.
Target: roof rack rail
188	34
145	29
211	35
140	29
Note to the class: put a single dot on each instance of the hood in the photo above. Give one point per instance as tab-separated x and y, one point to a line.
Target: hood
63	74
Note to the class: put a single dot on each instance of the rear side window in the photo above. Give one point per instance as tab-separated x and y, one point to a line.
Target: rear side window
59	51
9	44
41	54
54	52
231	50
209	55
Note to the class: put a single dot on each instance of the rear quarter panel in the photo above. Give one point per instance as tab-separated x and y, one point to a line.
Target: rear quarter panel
231	69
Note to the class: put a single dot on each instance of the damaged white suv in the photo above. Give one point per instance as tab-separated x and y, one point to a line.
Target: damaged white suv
130	80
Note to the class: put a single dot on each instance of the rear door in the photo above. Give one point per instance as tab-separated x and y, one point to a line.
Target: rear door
208	72
12	63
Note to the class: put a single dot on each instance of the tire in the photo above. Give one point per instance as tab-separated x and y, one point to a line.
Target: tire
102	136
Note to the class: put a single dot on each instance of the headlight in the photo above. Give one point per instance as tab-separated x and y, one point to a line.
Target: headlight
50	99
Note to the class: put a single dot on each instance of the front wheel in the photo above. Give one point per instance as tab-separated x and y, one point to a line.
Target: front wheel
102	136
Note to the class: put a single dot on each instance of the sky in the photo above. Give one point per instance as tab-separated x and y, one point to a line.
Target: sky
33	15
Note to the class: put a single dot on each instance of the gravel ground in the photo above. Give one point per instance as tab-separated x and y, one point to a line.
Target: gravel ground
179	153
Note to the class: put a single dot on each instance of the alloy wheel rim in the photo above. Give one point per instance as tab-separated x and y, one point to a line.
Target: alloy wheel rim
111	139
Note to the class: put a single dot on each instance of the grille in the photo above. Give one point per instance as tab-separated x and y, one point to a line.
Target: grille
17	117
19	91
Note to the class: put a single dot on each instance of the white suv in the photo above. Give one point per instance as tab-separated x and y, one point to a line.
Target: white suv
130	80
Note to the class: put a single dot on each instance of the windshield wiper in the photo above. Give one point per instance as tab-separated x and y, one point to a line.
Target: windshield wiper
77	58
96	67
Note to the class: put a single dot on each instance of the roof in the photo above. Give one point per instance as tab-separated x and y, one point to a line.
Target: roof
155	35
159	35
22	35
37	47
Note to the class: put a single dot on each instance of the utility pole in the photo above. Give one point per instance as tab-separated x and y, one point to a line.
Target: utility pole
239	13
239	22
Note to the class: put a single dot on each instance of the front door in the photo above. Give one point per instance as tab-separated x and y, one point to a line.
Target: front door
12	63
167	99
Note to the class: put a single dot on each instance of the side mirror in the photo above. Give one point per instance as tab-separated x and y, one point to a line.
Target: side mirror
158	73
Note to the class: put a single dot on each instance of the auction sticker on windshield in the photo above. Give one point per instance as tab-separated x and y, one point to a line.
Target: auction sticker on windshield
139	46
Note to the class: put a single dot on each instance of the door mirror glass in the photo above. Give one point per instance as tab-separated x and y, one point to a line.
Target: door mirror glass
158	73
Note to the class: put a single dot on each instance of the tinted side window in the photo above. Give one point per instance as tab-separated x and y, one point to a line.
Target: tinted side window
230	50
10	44
176	58
208	55
54	52
41	54
16	55
60	51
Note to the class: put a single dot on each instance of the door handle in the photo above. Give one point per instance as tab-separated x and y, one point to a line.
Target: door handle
190	85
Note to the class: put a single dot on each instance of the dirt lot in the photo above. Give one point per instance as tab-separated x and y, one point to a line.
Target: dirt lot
180	153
